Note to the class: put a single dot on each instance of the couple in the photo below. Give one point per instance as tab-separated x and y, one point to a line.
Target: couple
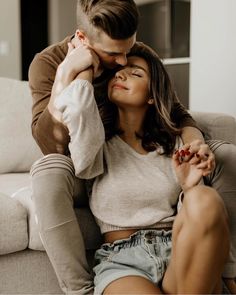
143	120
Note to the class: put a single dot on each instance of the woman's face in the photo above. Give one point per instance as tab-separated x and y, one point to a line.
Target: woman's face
130	85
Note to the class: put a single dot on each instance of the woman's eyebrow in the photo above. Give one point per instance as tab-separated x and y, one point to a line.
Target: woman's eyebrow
137	67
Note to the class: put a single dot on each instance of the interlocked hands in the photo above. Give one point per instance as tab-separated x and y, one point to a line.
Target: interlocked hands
192	162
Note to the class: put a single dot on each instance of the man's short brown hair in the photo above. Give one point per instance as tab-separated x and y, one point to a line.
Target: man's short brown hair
117	18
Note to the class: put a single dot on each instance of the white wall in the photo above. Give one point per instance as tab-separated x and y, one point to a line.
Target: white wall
213	56
62	19
10	48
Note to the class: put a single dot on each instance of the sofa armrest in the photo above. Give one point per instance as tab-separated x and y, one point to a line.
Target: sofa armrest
216	125
13	226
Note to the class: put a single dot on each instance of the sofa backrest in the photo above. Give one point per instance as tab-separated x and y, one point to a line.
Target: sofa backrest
18	150
216	125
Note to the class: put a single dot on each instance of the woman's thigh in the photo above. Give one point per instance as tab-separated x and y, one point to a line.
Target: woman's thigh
132	285
125	265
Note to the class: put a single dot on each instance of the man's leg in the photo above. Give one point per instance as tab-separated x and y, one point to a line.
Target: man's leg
54	184
223	179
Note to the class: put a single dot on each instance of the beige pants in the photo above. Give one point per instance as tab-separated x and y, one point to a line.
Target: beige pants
56	190
223	179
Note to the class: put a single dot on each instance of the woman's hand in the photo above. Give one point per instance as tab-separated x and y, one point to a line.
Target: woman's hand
80	62
77	60
188	174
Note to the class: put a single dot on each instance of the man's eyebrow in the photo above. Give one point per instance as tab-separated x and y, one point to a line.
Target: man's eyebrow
115	53
112	52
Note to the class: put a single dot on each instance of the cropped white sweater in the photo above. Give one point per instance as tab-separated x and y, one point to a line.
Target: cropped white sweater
130	190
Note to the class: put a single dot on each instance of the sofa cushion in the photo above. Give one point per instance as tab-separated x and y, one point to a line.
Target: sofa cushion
12	182
18	149
13	226
216	125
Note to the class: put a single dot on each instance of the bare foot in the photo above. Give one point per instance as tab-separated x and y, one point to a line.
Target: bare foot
231	285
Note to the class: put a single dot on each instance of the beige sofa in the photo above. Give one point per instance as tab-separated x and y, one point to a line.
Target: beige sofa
24	265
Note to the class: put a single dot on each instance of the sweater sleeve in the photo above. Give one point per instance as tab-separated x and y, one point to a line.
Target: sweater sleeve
51	135
181	116
87	136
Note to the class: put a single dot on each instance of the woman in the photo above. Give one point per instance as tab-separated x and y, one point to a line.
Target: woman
149	247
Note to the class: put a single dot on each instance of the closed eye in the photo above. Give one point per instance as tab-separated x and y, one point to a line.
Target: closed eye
137	74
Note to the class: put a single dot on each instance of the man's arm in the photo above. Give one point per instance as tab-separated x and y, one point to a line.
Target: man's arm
47	80
190	134
181	117
50	134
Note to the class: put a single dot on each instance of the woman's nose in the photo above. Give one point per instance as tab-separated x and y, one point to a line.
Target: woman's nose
120	75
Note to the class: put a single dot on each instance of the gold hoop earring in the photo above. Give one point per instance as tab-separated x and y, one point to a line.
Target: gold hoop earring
150	101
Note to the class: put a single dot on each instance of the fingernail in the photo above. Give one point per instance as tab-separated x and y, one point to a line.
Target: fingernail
182	153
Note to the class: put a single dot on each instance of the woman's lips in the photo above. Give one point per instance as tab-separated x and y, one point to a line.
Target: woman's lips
119	86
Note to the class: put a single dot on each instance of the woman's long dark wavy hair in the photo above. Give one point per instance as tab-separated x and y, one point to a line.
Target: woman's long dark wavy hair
158	128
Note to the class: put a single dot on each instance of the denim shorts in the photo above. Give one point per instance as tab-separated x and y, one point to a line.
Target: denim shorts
145	253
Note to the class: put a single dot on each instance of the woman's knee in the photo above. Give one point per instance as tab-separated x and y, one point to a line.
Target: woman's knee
204	208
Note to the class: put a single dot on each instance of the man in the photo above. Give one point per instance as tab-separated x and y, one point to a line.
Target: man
106	33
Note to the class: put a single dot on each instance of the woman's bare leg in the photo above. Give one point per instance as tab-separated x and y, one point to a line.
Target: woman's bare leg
132	285
200	244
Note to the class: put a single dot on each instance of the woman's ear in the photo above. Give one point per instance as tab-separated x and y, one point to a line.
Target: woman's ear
150	101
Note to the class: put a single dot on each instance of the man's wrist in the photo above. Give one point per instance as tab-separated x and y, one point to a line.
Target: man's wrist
64	75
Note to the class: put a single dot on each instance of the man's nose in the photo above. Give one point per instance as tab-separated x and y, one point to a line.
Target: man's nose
121	60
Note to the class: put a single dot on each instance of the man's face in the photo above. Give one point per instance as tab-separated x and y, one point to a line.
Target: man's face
110	51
